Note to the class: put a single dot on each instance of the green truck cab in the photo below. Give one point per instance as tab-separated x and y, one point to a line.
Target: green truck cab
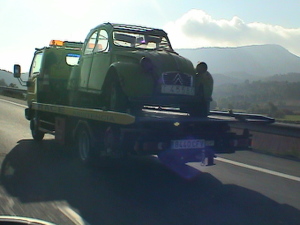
50	71
127	67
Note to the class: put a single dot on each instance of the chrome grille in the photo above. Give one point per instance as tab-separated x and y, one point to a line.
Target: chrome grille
177	78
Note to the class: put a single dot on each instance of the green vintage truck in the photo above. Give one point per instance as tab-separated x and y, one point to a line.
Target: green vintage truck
127	67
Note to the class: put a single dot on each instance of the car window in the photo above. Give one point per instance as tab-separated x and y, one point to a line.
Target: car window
141	41
91	44
102	43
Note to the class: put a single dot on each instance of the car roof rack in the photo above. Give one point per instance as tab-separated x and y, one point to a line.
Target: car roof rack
137	28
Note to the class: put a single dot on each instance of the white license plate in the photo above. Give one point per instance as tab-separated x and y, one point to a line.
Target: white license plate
177	89
188	144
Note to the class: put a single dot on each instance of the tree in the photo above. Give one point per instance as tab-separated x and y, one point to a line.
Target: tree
2	82
13	85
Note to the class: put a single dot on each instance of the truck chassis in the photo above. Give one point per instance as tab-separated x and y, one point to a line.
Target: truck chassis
102	135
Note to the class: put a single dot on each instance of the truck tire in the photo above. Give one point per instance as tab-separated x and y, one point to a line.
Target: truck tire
101	152
84	145
35	132
85	149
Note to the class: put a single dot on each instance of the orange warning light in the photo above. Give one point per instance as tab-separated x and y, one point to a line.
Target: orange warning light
56	43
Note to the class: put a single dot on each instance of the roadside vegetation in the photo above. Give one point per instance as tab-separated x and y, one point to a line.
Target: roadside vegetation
10	93
278	99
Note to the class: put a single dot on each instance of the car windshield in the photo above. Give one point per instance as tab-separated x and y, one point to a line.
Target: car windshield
141	41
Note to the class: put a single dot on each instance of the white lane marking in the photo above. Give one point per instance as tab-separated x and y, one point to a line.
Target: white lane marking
72	215
259	169
24	106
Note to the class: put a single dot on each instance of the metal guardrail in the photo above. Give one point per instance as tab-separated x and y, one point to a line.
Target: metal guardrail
18	90
13	92
281	129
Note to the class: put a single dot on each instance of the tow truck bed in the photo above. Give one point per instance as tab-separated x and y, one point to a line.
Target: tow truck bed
154	131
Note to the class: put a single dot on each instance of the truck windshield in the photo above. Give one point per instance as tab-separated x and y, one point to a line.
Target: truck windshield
141	41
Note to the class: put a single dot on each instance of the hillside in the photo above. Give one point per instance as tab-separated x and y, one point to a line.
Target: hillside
245	63
290	77
9	78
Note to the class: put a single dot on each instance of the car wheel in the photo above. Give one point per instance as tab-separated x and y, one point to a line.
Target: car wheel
117	99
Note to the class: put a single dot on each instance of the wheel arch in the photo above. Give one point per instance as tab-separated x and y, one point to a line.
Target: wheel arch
131	77
116	71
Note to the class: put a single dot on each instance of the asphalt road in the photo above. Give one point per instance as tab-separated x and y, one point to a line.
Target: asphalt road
46	181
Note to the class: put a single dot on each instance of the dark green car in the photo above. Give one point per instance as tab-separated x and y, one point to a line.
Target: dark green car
127	67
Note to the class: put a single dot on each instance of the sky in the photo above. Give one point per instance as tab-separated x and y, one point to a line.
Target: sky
28	24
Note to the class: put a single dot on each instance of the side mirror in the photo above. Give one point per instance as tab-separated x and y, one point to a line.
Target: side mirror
17	71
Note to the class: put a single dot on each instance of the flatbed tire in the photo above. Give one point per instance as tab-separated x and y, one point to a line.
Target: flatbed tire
85	149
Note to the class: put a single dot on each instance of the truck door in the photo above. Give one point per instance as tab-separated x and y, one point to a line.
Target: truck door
101	62
87	59
34	73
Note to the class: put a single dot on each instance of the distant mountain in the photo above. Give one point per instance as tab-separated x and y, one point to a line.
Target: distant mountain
245	63
290	77
220	79
9	78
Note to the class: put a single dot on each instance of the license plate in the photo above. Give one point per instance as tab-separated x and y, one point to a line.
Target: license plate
188	144
177	89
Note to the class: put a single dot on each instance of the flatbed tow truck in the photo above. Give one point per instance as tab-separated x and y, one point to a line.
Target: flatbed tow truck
102	133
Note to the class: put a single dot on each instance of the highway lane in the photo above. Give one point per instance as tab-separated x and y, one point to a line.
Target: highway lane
275	183
49	183
14	130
